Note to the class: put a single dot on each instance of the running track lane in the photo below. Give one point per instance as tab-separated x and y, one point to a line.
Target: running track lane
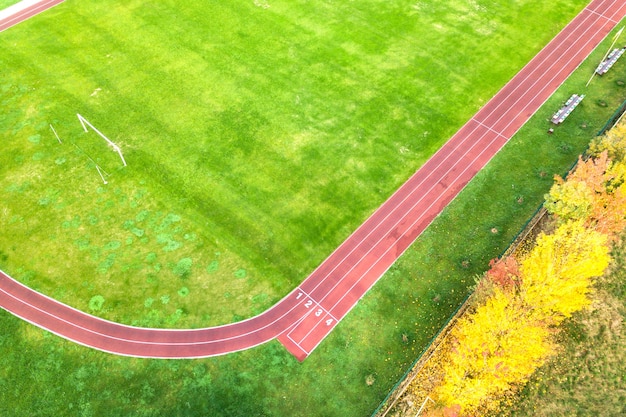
305	316
24	13
337	285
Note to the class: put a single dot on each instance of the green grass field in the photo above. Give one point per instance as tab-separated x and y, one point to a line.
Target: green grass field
257	139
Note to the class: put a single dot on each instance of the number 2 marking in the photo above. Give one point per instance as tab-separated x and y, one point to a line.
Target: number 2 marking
308	303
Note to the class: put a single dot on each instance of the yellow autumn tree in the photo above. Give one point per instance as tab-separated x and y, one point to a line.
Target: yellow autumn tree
595	192
508	336
613	142
497	345
557	274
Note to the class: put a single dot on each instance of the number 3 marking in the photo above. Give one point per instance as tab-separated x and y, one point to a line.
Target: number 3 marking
318	312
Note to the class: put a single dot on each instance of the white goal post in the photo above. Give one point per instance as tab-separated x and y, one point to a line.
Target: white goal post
84	122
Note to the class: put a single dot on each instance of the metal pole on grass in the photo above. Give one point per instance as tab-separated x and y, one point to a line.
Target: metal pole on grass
55	134
101	176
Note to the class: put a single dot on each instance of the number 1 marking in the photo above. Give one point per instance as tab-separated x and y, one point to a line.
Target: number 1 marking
299	295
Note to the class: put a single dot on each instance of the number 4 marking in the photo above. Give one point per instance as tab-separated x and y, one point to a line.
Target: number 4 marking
329	322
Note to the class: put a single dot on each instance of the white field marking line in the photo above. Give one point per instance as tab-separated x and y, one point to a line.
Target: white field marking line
489	128
294	340
305	336
131	341
306	295
306	352
601	14
516	87
376	263
421	216
317	324
142	329
323	315
17	15
55	134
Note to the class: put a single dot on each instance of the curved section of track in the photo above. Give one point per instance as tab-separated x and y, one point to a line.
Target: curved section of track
307	315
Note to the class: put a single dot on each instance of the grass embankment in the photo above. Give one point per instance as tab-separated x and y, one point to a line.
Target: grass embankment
353	124
588	376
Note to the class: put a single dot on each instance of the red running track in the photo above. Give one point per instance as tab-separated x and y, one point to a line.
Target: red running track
307	315
26	13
